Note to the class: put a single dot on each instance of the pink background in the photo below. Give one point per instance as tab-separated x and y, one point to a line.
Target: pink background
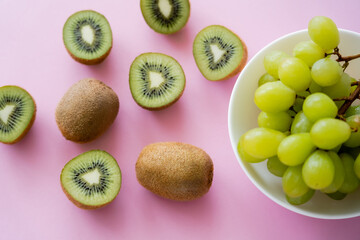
32	55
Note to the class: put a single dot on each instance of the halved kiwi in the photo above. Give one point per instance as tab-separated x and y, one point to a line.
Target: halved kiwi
87	37
165	16
92	179
17	113
219	53
156	80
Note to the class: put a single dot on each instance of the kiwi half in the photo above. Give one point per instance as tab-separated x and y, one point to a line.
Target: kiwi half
156	80
92	179
165	16
17	113
87	37
219	53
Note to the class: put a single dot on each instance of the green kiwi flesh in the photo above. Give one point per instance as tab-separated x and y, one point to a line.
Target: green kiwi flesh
92	179
17	113
87	37
156	80
219	53
165	16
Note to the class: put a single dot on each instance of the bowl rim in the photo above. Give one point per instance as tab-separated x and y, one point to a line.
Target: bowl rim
234	144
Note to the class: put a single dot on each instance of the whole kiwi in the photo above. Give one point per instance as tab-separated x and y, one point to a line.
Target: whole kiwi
86	110
176	171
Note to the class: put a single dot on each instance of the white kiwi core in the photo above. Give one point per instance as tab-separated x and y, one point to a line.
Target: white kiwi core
217	52
6	112
165	7
92	177
156	79
88	34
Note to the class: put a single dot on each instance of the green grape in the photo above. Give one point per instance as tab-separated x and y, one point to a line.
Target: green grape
280	121
354	123
336	149
309	52
326	72
319	105
339	174
301	123
323	31
299	102
295	149
353	80
328	133
352	110
340	89
318	170
302	199
266	78
272	61
291	112
276	167
314	87
337	195
357	166
274	97
262	142
293	183
354	152
294	73
244	156
303	94
351	182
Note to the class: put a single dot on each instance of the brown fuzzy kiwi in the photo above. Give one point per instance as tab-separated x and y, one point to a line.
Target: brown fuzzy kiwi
173	170
86	111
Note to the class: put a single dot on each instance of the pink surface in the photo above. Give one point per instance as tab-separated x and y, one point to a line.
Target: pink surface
32	55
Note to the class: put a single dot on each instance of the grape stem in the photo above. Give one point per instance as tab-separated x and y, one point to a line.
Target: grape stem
343	59
349	100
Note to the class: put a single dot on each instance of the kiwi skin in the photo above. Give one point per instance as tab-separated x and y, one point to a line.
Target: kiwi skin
89	61
83	113
80	205
243	60
30	123
176	171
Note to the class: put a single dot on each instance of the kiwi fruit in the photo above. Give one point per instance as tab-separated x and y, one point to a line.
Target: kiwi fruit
87	37
86	110
165	16
156	81
176	171
91	180
17	113
219	53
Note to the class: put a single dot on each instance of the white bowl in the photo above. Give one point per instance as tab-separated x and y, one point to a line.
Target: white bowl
242	116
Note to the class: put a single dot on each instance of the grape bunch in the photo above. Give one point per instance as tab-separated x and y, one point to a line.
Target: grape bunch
308	127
